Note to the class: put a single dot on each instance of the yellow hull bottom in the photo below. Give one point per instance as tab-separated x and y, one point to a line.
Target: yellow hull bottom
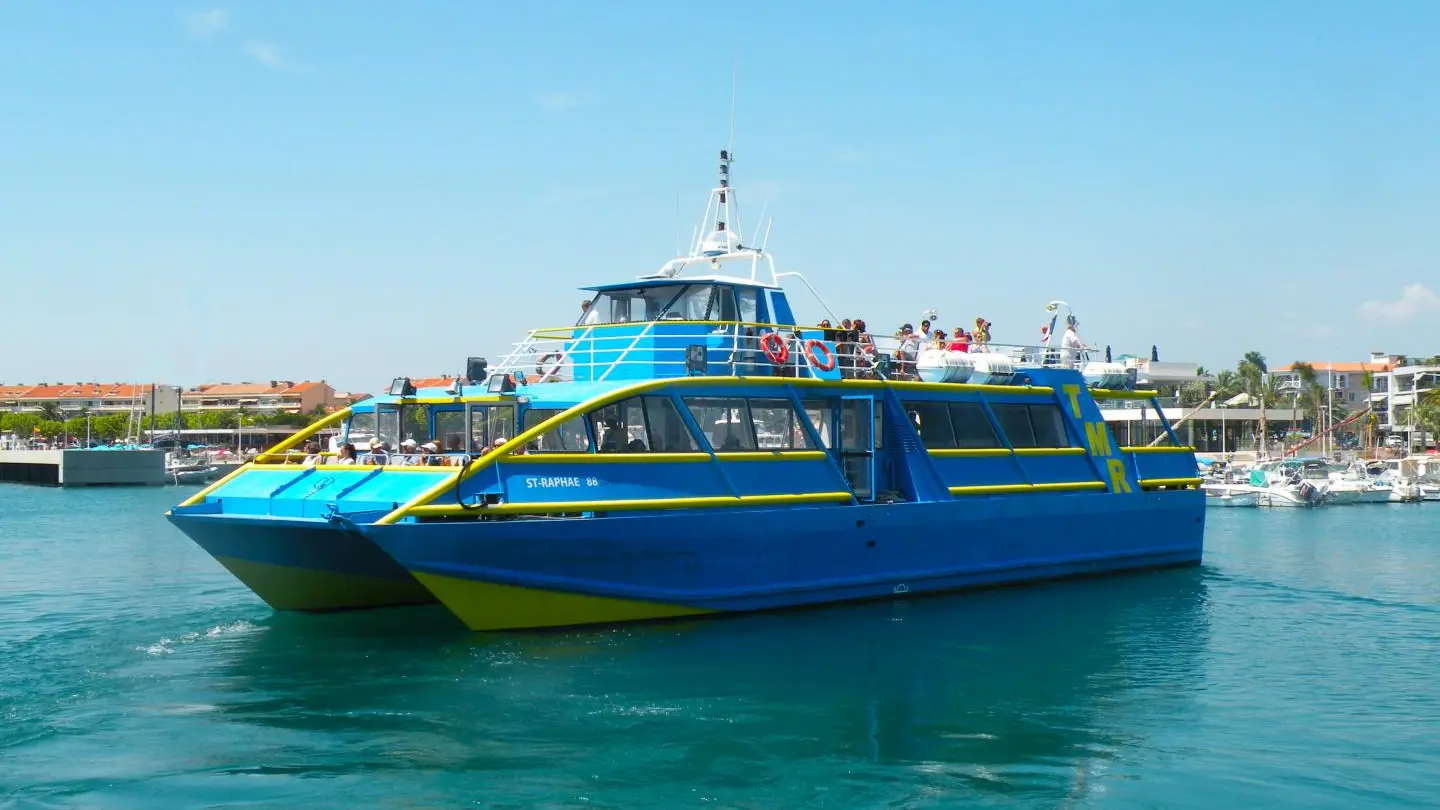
288	588
488	606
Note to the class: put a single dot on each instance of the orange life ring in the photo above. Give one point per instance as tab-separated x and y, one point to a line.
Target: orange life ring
775	349
810	346
540	366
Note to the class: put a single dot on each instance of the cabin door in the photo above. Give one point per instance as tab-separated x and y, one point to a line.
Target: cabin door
857	445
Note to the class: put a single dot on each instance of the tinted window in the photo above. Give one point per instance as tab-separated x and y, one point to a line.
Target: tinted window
489	424
450	430
668	433
819	413
724	421
972	427
932	422
568	437
777	426
1049	426
1015	422
620	428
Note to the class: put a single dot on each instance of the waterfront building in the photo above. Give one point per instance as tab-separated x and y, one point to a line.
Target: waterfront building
95	398
274	396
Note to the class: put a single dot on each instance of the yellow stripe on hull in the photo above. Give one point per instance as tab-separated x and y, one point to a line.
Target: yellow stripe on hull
285	587
489	606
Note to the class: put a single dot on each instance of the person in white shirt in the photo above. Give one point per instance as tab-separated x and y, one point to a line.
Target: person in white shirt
1070	345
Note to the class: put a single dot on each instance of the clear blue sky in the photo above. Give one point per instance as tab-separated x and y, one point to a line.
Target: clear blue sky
352	191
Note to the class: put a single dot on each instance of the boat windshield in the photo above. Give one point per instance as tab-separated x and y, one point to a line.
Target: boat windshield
688	302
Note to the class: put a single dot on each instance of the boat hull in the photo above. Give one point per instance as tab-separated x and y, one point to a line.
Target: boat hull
1232	500
304	565
514	574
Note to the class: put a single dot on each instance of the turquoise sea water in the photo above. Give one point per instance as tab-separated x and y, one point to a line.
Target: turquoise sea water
1298	668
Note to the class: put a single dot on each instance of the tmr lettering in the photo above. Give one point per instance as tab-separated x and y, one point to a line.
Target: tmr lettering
1097	438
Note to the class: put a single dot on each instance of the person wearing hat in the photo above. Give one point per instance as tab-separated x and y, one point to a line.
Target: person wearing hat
376	454
407	453
428	455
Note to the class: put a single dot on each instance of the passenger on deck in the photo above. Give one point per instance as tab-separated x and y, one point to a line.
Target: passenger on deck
346	455
407	455
430	455
960	342
377	454
312	454
588	316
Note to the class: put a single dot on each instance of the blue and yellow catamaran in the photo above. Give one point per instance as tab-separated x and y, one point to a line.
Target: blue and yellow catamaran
687	448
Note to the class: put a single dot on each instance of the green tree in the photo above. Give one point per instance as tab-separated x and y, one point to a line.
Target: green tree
50	412
1253	373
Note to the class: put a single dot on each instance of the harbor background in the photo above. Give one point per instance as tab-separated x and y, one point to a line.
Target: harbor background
1294	668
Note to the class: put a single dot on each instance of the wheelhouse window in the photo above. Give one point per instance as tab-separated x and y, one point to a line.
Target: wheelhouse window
973	430
702	302
569	436
631	305
641	425
387	426
1032	425
778	426
724	421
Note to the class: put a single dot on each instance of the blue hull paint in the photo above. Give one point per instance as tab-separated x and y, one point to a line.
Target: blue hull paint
315	554
734	560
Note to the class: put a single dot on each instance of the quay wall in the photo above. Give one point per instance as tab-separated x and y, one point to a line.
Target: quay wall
83	468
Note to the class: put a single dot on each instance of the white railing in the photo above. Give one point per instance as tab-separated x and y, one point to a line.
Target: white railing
601	352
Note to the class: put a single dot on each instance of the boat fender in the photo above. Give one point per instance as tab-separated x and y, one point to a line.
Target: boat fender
775	349
545	359
811	346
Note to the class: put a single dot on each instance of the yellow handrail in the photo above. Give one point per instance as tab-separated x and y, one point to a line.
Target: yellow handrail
302	435
682	382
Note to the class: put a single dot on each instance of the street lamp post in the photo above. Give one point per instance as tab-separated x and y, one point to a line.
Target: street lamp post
1223	406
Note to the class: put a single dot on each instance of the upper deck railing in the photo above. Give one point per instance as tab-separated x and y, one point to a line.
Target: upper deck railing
654	349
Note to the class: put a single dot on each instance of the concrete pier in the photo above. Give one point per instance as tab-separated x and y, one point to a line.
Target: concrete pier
83	468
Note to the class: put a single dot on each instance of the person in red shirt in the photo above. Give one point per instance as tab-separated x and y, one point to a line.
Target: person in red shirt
961	343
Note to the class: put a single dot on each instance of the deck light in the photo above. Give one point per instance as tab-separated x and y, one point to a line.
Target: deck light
401	387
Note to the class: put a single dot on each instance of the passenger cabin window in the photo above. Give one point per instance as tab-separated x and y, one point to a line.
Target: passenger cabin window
777	425
932	422
822	417
360	427
387	426
724	421
702	302
414	424
641	425
567	437
489	424
450	431
749	299
1032	425
973	430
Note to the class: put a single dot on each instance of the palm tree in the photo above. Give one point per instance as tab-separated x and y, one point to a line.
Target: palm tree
1227	384
1253	371
50	412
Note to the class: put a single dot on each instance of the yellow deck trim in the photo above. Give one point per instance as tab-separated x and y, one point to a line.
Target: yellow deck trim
1006	489
663	458
1049	451
969	452
633	505
1165	449
1189	483
490	606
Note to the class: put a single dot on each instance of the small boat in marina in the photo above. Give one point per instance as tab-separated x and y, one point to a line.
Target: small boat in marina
689	447
1231	496
1291	483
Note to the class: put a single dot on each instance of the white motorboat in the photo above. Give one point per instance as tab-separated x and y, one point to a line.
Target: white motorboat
1291	483
1231	497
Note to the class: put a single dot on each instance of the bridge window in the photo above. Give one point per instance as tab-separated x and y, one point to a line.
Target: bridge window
725	423
932	422
361	427
973	430
569	436
777	426
633	305
1032	425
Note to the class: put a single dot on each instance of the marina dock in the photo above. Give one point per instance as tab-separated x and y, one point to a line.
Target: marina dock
83	468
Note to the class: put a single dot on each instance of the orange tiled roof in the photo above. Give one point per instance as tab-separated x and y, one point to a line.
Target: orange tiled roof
431	382
85	391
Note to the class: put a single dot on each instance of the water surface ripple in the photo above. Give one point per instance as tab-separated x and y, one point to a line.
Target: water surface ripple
1296	668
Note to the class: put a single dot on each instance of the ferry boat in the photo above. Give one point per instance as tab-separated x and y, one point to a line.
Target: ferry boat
687	448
